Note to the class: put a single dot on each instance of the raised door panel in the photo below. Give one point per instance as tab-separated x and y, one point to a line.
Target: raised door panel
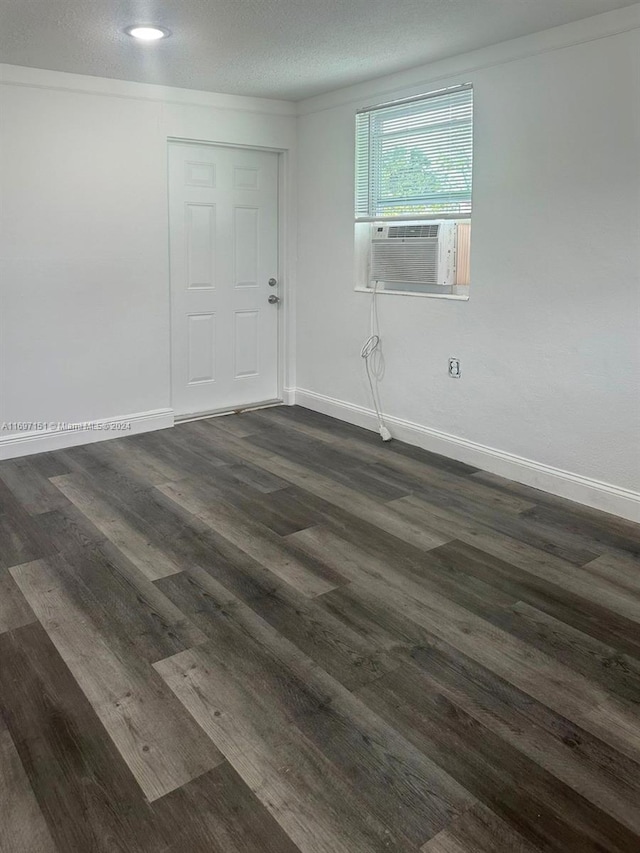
245	246
246	344
198	174
201	242
201	348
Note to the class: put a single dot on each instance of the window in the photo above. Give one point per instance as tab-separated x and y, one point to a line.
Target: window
414	161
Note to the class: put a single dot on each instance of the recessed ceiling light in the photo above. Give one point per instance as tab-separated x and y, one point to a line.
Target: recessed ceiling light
147	33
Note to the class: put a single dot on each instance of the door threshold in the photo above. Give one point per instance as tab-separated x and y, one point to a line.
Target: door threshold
217	413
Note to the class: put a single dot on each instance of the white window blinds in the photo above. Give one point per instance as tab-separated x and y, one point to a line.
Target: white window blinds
414	157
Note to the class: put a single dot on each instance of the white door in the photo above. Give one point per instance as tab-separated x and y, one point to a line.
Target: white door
223	214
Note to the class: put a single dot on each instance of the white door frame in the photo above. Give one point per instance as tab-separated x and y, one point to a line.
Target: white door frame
285	290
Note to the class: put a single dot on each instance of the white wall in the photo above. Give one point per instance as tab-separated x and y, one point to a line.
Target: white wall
549	340
84	278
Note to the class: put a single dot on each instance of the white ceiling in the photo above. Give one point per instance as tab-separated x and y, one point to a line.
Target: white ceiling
273	48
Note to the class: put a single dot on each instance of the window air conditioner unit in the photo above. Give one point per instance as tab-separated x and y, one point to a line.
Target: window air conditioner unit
413	256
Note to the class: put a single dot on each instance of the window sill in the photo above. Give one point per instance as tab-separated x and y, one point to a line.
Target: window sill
455	296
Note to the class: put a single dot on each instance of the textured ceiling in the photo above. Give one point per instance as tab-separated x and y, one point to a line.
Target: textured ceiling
273	48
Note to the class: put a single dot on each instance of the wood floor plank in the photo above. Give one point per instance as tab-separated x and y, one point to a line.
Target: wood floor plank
411	467
479	830
356	503
288	775
342	728
323	458
14	609
257	478
161	745
98	462
475	579
21	539
418	796
276	416
132	459
238	449
50	464
547	541
585	763
113	593
297	415
335	783
346	468
384	561
187	449
253	538
334	494
149	517
584	515
152	562
445	488
538	674
241	457
188	542
90	800
543	809
22	826
31	488
191	543
281	511
238	426
218	813
341	652
363	552
516	552
615	671
244	488
596	536
553	591
621	571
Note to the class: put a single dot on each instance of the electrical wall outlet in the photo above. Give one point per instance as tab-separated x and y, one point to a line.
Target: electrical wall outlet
454	368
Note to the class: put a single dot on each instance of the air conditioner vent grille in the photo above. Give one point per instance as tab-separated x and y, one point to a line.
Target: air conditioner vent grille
413	230
401	262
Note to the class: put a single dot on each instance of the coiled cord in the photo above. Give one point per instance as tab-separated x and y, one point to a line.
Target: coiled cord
369	347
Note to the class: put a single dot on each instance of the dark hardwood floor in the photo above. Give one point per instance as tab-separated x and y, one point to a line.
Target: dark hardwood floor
272	633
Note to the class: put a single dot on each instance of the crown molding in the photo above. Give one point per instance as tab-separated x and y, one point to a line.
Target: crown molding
413	81
40	78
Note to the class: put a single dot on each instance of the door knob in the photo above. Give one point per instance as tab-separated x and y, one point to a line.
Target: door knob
273	299
273	282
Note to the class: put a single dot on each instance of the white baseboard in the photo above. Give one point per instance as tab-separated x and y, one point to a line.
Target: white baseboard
289	396
594	493
41	440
